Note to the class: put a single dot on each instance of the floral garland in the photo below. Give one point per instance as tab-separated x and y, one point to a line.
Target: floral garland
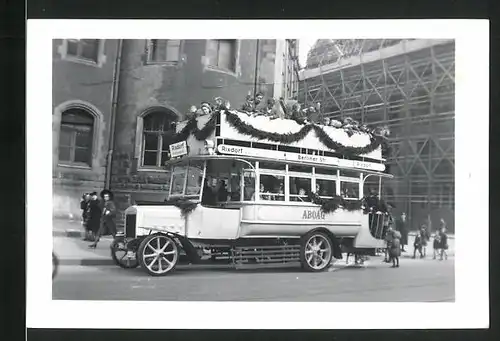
331	205
186	206
192	128
246	129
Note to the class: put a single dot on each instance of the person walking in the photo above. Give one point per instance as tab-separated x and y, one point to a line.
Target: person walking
107	222
402	228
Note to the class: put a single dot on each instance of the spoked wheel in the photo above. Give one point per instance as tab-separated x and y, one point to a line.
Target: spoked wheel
55	265
316	252
123	255
158	254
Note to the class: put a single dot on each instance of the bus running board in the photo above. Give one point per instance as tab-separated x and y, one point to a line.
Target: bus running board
249	255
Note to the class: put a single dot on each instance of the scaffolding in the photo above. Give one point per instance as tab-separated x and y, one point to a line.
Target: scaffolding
408	85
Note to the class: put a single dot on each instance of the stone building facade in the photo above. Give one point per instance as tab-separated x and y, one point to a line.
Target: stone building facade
116	101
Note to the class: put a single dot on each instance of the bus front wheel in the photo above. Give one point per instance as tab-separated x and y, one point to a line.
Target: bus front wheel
158	254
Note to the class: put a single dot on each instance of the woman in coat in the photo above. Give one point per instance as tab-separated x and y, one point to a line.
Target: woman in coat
395	249
93	216
107	223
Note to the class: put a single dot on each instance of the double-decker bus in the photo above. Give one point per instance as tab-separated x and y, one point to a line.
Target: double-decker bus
249	189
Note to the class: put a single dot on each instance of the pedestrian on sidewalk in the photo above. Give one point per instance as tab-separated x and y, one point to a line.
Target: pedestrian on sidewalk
388	243
84	206
443	243
107	223
94	215
424	231
417	245
402	228
436	244
395	249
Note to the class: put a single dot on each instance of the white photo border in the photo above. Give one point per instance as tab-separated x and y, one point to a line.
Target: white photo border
471	306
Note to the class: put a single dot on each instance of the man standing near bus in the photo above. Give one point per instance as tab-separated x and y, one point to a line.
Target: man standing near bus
401	226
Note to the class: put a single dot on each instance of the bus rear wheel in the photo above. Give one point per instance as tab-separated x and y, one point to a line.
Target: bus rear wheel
316	251
158	254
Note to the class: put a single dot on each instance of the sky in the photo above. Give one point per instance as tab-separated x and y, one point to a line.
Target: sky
304	47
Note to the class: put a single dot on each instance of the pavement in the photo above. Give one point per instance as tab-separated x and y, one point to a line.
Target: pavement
414	281
72	250
90	274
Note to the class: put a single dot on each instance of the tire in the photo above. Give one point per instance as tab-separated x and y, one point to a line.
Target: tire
316	246
151	248
120	245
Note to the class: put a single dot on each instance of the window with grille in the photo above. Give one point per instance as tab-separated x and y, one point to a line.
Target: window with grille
164	51
222	54
85	49
158	133
75	137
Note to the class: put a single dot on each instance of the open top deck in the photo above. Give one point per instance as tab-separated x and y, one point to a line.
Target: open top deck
236	133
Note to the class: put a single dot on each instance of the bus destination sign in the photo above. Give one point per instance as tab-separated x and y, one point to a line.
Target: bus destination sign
318	159
178	149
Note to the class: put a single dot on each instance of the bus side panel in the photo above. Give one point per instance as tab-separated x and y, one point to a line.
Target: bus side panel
295	221
213	223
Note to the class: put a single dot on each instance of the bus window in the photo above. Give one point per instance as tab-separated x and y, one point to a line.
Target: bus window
248	185
349	174
300	169
325	171
326	188
178	178
349	190
272	187
299	188
234	186
194	178
272	166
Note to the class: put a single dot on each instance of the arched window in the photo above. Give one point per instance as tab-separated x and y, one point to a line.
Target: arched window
75	137
158	132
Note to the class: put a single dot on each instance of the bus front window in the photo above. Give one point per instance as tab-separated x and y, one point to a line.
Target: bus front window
194	179
178	179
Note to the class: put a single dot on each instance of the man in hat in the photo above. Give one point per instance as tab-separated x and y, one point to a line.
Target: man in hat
107	222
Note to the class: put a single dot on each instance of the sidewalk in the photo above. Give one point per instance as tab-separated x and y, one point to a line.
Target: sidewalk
72	250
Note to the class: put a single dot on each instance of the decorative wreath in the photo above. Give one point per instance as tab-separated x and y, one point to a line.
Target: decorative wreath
243	128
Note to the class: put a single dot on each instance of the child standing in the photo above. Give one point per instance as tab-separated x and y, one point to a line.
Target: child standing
395	249
444	243
436	244
417	245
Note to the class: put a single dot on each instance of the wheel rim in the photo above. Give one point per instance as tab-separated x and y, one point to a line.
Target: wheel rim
160	254
123	254
318	252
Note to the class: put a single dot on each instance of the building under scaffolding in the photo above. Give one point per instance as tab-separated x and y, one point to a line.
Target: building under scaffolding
408	85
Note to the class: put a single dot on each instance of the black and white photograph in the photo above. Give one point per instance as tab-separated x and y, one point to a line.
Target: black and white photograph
194	169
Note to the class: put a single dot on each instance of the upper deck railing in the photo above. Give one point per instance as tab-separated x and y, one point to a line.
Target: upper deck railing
295	136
